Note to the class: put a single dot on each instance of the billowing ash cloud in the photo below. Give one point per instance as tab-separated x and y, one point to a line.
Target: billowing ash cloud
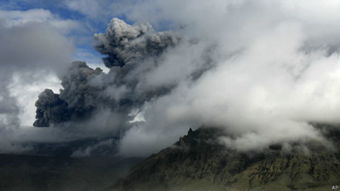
86	90
77	99
50	108
126	44
260	70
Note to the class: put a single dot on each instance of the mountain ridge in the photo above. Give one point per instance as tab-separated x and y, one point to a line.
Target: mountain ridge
198	162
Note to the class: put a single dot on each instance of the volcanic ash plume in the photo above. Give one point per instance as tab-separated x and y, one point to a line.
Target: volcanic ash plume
261	71
125	44
87	90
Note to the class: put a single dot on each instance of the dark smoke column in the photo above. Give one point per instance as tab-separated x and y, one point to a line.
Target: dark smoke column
86	90
76	100
127	44
50	109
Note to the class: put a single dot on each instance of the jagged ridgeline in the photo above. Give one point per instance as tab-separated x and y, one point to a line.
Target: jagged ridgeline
86	90
198	162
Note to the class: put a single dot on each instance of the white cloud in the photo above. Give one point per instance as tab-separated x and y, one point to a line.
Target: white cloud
268	67
34	49
276	67
12	18
26	92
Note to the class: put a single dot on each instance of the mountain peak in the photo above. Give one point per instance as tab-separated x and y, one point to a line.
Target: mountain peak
198	162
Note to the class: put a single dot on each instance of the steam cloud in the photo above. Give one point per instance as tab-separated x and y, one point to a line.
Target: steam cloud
261	70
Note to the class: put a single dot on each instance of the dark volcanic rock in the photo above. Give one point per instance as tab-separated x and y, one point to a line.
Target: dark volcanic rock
198	162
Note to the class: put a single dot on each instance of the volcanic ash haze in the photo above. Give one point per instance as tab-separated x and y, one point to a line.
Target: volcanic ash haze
260	70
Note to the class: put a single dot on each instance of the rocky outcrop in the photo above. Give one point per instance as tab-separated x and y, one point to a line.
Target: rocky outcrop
199	162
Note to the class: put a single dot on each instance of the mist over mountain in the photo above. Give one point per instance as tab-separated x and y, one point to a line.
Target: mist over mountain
262	71
253	78
198	162
255	81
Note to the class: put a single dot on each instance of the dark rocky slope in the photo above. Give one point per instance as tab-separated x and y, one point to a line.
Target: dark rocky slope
197	162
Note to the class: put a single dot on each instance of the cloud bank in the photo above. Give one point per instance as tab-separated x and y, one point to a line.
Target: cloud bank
34	48
260	70
268	70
